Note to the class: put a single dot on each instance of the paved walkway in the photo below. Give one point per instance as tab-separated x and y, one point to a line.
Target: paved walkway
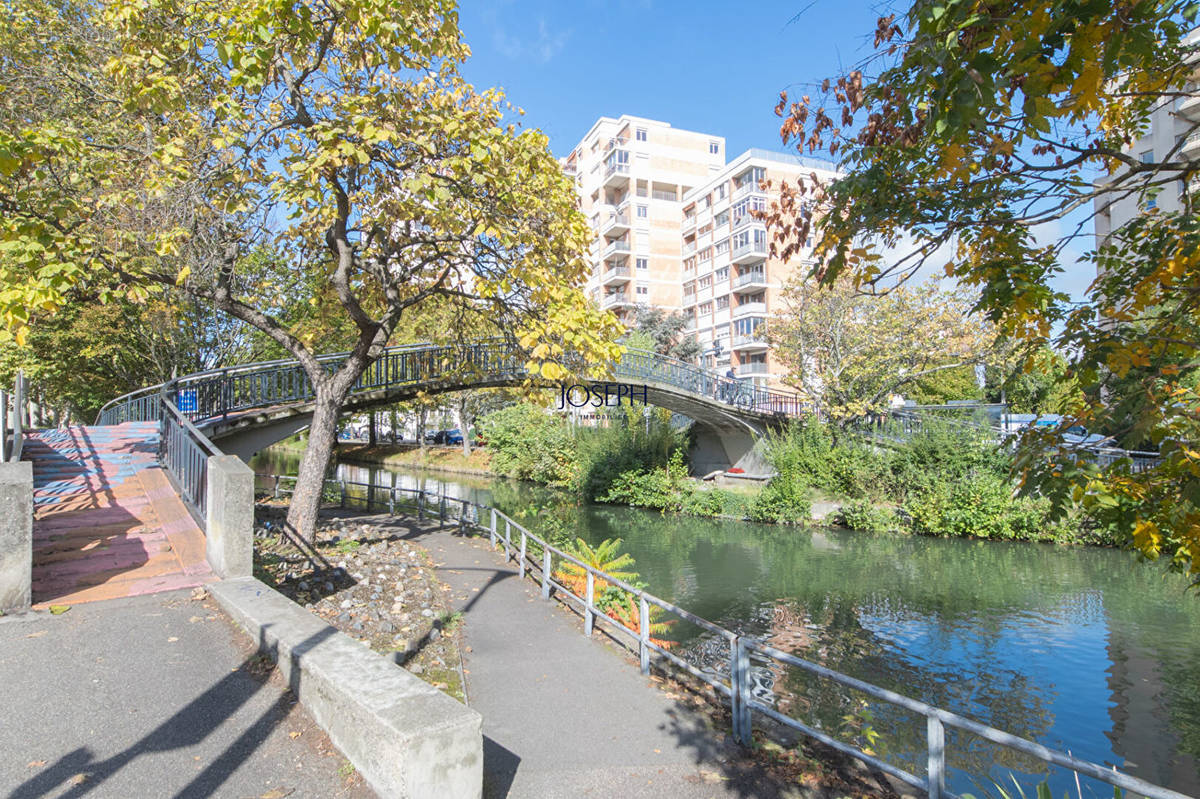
153	696
564	716
107	523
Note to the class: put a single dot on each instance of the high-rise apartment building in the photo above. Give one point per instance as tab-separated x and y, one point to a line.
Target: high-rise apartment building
674	230
631	174
731	284
1171	123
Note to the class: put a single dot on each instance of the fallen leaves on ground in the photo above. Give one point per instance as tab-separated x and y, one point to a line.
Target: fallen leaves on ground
59	610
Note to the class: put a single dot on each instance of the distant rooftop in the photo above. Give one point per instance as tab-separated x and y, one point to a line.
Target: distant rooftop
811	162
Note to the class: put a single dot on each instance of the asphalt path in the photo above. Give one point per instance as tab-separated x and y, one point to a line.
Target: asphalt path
153	696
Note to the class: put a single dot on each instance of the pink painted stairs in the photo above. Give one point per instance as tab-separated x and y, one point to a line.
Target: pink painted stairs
107	522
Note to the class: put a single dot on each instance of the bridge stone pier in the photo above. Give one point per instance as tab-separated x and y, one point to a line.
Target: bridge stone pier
246	409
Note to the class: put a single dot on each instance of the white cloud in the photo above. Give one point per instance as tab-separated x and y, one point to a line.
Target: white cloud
541	48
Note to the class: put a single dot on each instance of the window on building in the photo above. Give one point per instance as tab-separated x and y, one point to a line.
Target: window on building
722	274
689	289
705	308
714	147
705	254
641	134
1152	202
643	290
720	192
745	327
1147	157
689	264
706	282
722	302
643	263
705	228
722	247
642	212
721	219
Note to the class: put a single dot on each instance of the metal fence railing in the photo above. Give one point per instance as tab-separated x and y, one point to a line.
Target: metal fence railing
184	453
900	425
539	559
213	395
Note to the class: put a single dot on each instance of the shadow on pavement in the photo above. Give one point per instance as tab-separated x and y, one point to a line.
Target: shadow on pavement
190	725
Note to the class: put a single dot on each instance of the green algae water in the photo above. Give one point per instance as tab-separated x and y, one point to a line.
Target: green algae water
1079	649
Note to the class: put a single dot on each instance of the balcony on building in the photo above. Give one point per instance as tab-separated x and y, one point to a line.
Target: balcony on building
755	342
615	249
616	299
758	308
750	280
1189	107
612	221
616	169
753	368
615	275
751	251
1191	147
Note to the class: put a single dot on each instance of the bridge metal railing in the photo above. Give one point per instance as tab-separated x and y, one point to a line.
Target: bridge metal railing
539	559
184	453
209	396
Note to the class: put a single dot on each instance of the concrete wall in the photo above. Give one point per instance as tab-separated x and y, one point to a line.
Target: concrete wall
229	533
405	737
16	535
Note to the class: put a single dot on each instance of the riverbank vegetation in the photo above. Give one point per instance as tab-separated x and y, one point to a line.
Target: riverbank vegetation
945	480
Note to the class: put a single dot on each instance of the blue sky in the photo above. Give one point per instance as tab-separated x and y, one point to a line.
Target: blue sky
715	67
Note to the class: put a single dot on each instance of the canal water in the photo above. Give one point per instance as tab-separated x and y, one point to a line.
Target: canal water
1080	649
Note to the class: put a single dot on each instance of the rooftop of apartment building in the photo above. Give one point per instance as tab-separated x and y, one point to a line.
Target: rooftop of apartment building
758	154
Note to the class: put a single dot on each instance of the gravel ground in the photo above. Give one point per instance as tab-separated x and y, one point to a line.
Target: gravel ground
373	587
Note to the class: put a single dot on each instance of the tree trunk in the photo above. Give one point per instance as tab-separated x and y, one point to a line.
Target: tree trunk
372	437
421	415
310	481
464	425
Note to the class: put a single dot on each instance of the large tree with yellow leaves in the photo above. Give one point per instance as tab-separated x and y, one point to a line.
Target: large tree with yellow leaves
986	135
158	144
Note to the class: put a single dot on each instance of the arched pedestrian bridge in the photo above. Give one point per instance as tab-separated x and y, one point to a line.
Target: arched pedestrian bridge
247	408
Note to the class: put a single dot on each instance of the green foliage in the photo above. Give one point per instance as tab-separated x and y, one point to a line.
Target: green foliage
662	331
981	506
628	444
806	449
939	388
868	516
661	487
528	443
947	480
784	500
968	143
710	502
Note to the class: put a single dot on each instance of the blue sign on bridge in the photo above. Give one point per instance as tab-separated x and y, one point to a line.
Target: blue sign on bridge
185	400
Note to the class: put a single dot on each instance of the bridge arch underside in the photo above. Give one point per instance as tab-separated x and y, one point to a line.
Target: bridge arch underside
723	436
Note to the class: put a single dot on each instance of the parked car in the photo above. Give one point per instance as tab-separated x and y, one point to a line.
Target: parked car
446	437
431	436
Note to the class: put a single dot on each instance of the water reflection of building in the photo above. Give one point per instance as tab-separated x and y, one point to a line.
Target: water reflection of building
1141	734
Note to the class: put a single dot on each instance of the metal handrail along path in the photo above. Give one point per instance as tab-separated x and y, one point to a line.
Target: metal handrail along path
520	544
